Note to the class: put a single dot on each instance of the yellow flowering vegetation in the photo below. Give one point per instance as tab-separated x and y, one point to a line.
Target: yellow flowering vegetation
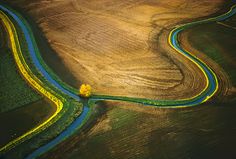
32	79
85	90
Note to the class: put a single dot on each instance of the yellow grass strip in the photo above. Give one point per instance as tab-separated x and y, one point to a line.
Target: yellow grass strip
31	79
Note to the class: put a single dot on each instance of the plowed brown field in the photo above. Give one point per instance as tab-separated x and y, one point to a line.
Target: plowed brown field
121	47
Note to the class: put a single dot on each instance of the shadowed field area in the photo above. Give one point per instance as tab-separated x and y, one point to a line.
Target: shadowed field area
17	122
134	131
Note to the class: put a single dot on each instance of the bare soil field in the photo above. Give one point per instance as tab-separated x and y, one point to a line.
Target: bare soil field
121	47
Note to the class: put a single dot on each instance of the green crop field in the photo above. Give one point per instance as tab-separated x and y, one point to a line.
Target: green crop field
71	110
30	115
18	102
14	91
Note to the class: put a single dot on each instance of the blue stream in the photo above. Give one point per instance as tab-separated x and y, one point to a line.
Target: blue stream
210	75
78	122
65	134
33	55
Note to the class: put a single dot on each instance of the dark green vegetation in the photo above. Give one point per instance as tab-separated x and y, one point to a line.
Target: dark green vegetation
124	132
70	111
231	22
21	108
14	92
218	41
17	122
